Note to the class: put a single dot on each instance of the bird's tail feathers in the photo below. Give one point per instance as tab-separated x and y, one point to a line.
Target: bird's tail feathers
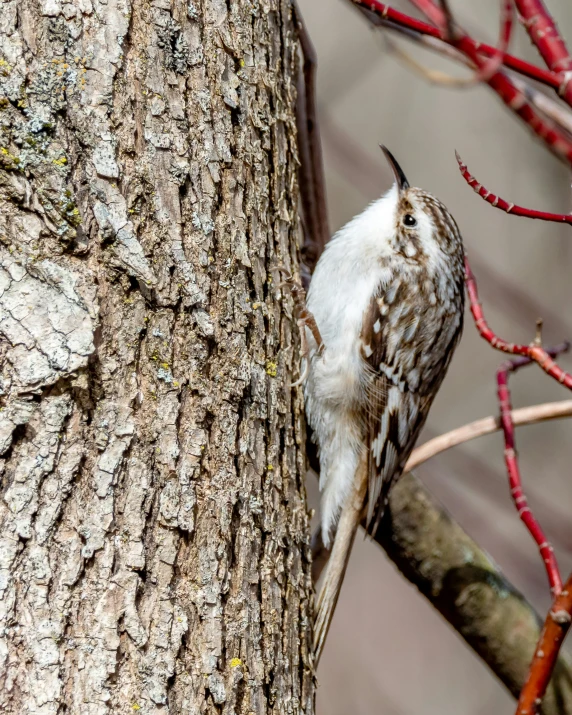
338	561
375	515
337	484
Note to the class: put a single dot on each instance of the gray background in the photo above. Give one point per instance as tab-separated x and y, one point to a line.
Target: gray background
388	652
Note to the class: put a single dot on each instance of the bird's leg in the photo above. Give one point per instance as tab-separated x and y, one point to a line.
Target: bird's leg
305	320
304	354
305	317
350	518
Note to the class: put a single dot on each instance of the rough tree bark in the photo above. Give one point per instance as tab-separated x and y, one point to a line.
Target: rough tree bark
154	547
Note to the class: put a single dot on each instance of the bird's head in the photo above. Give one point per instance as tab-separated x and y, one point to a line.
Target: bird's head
423	225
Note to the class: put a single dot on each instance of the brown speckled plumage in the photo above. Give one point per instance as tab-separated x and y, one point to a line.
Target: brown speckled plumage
408	336
387	297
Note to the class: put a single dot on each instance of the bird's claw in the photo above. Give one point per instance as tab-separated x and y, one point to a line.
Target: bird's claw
305	319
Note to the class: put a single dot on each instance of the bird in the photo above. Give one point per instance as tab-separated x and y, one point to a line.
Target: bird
381	321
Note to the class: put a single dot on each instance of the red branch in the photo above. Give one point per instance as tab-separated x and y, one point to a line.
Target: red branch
513	469
431	11
503	205
551	638
534	352
438	18
512	96
495	63
544	33
551	79
516	100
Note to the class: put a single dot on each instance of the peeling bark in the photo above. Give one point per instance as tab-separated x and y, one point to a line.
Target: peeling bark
154	548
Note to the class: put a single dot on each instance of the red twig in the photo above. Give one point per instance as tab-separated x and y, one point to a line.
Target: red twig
513	469
535	352
551	638
516	100
431	11
444	22
544	33
495	63
503	205
551	79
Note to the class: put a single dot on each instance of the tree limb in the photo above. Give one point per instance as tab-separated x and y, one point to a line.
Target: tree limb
462	582
487	425
553	633
468	589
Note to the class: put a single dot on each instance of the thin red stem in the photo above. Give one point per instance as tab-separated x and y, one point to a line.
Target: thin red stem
545	35
438	18
494	64
551	638
516	100
433	13
534	352
513	469
503	205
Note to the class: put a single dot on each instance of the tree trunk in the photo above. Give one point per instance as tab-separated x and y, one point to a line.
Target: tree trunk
154	546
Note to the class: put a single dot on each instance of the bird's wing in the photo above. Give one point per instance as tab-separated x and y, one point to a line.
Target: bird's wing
395	413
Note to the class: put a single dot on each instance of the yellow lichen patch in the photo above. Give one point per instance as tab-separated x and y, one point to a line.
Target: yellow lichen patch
235	662
271	368
8	160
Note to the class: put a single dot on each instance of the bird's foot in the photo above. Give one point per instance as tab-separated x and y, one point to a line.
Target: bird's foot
305	317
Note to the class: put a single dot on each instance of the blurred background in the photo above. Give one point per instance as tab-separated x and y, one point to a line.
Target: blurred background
367	96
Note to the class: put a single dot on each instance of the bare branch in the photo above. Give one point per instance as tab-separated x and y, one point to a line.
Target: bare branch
513	469
545	35
487	425
385	12
545	658
467	588
534	352
505	206
552	109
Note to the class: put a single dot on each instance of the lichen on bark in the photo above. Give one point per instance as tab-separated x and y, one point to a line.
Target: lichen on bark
154	550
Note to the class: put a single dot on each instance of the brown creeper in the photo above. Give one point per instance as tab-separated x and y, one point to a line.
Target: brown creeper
387	297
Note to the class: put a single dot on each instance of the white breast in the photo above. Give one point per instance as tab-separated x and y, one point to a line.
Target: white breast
347	275
345	279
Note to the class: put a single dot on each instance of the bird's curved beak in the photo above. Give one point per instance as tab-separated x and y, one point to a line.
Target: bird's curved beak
400	178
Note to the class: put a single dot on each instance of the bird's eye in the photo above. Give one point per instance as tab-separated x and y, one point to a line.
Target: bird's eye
409	221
